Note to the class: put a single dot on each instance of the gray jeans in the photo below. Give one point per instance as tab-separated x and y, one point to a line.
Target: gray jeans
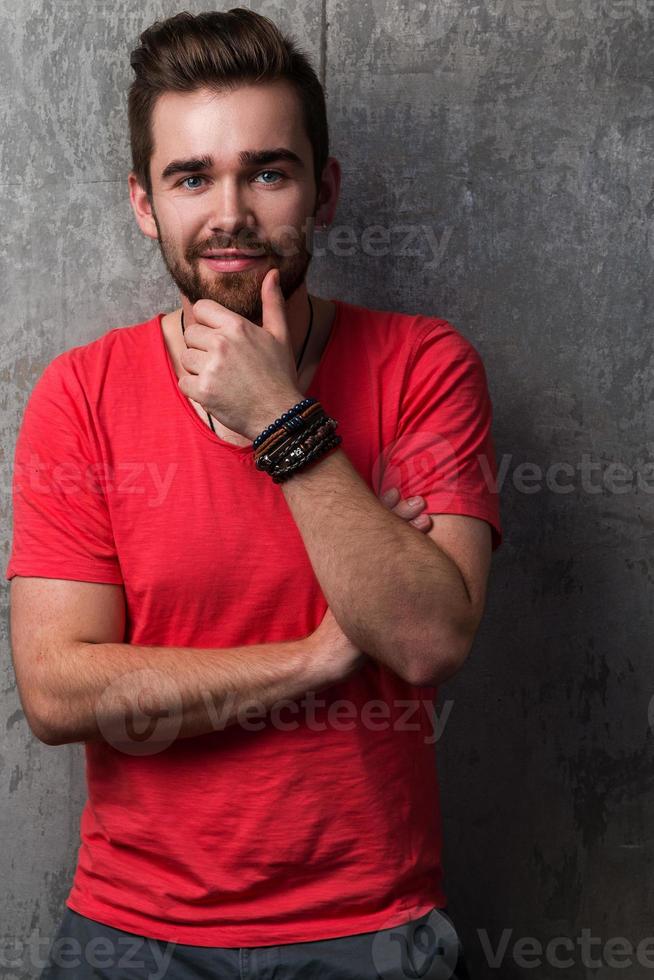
427	948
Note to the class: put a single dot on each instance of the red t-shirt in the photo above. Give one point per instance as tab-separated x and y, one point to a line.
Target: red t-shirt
320	826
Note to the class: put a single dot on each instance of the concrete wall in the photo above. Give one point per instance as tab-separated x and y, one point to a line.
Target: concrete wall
507	146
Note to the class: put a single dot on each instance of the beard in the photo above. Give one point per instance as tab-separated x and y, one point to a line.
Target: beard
238	291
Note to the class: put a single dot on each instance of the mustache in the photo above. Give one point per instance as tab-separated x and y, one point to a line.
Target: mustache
263	248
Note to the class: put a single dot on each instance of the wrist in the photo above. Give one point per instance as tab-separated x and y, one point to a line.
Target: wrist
321	666
274	408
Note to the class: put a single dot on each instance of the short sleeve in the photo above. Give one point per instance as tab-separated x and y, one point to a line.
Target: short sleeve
443	448
61	524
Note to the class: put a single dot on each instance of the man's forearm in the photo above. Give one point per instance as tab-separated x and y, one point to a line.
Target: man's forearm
118	692
393	591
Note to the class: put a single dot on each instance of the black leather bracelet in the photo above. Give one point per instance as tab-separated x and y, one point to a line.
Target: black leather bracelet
286	448
323	447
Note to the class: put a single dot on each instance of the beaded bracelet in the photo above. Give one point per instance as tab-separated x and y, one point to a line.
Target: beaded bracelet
291	427
294	440
278	423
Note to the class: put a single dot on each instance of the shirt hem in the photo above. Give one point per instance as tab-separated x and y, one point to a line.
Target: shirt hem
77	574
468	506
234	938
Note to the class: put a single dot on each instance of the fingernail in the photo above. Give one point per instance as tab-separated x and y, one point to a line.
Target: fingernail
390	495
414	500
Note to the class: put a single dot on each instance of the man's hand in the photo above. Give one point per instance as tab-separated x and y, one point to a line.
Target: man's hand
411	512
241	373
337	652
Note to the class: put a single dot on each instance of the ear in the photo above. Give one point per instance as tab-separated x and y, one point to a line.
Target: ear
141	207
328	192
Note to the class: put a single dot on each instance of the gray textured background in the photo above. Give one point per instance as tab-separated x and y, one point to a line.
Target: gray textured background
520	135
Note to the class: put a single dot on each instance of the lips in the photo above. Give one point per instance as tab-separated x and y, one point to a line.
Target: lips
232	263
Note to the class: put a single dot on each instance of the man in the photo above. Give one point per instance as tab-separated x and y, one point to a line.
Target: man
250	662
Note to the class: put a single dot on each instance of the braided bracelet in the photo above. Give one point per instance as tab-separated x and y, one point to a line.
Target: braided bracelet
305	451
284	473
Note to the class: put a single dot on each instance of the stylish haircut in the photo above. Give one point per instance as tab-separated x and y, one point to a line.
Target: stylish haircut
220	50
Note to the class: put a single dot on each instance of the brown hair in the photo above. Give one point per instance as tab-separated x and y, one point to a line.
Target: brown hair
219	50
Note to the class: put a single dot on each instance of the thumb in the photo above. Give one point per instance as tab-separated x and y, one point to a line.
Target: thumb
273	308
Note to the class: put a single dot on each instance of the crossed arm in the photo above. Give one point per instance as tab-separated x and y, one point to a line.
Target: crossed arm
412	601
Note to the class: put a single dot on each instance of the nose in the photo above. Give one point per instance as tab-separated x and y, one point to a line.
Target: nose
230	212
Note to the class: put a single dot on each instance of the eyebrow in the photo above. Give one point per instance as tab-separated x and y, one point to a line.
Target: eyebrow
246	158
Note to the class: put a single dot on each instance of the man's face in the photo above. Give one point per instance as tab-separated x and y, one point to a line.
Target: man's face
263	207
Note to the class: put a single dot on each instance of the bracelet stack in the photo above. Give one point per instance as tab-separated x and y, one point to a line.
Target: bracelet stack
298	437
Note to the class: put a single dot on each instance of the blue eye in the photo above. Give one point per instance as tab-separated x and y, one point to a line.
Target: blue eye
192	177
277	172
